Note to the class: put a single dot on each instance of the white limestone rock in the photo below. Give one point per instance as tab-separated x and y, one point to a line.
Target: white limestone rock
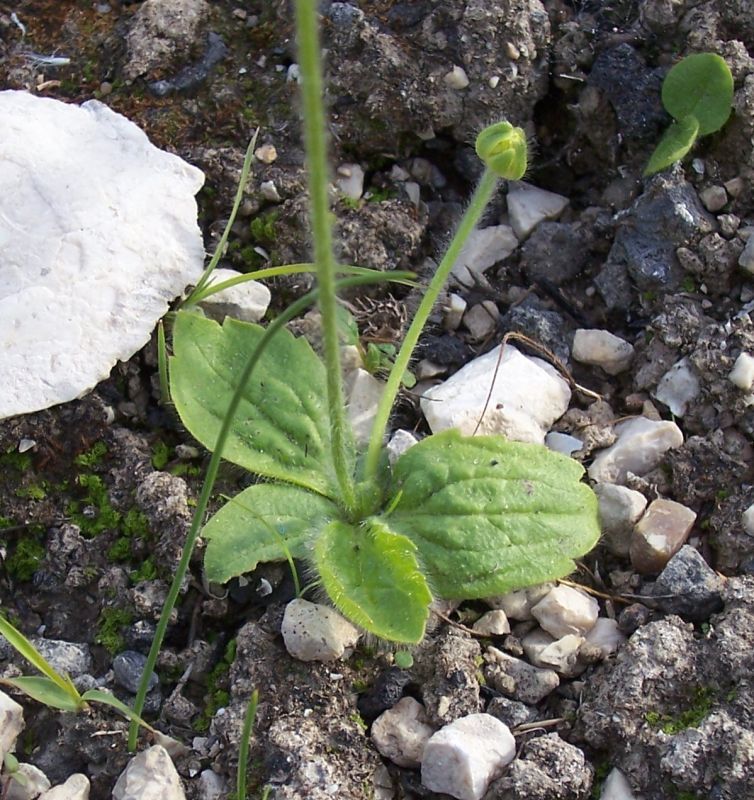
313	632
605	638
150	775
679	387
528	395
481	320
463	758
401	732
11	724
399	442
364	393
640	446
27	783
247	301
98	233
514	678
519	603
616	787
620	508
349	178
565	610
747	520
742	374
602	349
211	785
528	206
493	623
483	248
75	788
453	311
456	78
547	652
563	443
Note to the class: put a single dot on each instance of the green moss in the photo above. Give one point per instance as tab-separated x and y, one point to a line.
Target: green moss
92	457
94	512
700	705
120	550
217	696
160	454
147	571
34	491
262	227
24	561
19	462
110	626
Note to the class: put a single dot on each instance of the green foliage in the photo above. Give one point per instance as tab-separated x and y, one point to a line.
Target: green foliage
146	571
698	94
93	513
24	561
700	705
93	457
380	357
160	454
262	227
216	696
110	628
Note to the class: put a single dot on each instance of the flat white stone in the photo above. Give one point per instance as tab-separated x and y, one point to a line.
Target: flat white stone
566	610
462	758
481	320
616	787
602	349
75	788
150	775
399	442
32	783
453	312
98	233
528	206
605	636
493	623
401	732
211	785
364	393
11	724
747	520
620	509
515	678
456	78
247	301
519	603
742	374
350	180
483	248
313	632
563	443
547	652
679	387
528	395
639	448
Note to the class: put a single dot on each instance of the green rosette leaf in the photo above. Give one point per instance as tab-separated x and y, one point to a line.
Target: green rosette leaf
488	516
699	86
372	576
281	429
266	522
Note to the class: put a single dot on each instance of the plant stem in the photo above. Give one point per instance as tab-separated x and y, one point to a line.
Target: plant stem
243	745
315	140
479	200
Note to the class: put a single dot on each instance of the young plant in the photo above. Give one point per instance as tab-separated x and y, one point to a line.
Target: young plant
698	94
456	517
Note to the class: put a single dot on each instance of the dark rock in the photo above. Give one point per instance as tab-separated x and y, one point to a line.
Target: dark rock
446	350
511	712
192	76
555	252
731	543
386	691
632	617
544	327
688	586
139	636
614	286
128	667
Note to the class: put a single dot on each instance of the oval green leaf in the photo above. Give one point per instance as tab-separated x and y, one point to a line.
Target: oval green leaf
699	86
281	429
677	140
488	515
266	522
372	576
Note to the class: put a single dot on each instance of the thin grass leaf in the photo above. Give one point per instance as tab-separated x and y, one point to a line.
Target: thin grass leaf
99	696
46	691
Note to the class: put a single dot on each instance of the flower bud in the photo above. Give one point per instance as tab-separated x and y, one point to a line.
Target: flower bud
502	147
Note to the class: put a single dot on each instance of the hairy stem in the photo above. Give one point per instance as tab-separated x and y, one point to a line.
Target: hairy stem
479	200
315	140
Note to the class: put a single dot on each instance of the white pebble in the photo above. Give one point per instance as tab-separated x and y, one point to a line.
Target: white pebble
519	603
493	623
463	758
563	443
75	788
679	387
456	78
269	191
747	520
399	442
247	301
350	180
401	732
659	535
713	198
483	248
616	787
640	446
528	206
742	374
605	636
620	508
566	610
453	312
481	320
549	653
11	724
602	349
266	154
313	632
27	783
364	393
150	775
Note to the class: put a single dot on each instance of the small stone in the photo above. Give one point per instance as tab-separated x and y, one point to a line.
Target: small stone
747	520
746	259
75	788
456	78
128	667
549	653
633	617
247	301
426	370
729	224
211	785
413	192
616	787
462	758
399	442
713	198
150	775
517	679
602	349
519	603
742	374
563	443
735	186
620	508
527	396
528	206
493	623
266	154
679	387
364	393
659	535
565	610
26	783
11	724
483	248
639	448
511	712
605	638
350	180
68	658
402	732
384	693
482	319
694	588
512	51
269	191
314	632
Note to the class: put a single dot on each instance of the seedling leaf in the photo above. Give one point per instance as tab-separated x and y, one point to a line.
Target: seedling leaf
47	691
261	524
677	140
281	430
373	577
100	696
488	515
699	86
